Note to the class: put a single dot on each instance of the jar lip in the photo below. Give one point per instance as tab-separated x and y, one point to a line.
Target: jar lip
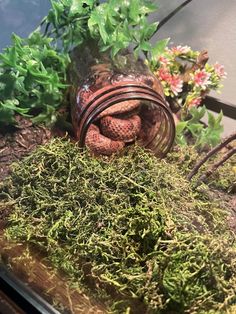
108	91
132	95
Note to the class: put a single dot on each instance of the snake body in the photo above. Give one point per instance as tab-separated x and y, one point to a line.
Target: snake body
114	127
121	129
100	144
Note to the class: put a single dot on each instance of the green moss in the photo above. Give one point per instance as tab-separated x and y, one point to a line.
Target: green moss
132	229
224	178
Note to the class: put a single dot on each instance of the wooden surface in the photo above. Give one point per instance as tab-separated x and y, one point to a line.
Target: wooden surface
216	105
7	306
31	268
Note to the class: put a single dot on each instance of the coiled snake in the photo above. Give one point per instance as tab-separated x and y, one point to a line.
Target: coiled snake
114	127
117	104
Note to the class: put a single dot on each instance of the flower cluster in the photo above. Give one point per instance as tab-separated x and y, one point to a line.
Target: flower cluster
186	76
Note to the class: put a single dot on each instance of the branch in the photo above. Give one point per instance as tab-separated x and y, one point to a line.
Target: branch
217	165
173	13
211	153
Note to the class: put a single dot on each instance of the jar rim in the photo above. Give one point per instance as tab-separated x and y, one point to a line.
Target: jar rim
120	93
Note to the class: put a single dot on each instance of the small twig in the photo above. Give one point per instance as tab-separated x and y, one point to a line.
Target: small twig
69	299
43	21
46	29
223	144
168	17
217	165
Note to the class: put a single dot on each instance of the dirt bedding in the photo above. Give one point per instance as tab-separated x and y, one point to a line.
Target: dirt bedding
17	142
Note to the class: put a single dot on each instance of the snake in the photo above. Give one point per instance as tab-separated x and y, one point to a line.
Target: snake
114	127
124	122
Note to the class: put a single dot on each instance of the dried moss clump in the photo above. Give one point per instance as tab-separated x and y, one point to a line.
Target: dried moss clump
225	177
132	229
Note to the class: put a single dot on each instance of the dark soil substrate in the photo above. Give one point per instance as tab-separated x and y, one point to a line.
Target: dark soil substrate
18	142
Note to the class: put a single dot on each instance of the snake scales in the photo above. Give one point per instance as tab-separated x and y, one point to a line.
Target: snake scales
114	127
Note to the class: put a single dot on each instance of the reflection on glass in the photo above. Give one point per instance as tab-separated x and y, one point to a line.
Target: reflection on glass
20	17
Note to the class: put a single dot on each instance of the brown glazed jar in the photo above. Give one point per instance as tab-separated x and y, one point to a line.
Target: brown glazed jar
114	104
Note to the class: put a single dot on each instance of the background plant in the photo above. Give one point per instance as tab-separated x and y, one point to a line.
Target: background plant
115	25
187	78
33	70
32	79
202	136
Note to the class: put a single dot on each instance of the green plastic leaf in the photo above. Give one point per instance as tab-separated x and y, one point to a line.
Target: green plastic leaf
150	30
14	105
196	129
197	114
145	46
19	85
8	81
9	56
181	140
58	9
97	19
181	126
159	48
6	116
76	6
147	7
219	117
47	116
211	120
134	10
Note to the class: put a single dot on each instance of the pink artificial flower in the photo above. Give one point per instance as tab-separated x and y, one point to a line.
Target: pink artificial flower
164	74
164	61
176	84
220	70
194	101
201	78
174	81
180	50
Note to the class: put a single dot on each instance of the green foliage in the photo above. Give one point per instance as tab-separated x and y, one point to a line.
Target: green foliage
33	70
67	21
133	228
119	24
156	52
32	76
202	136
114	24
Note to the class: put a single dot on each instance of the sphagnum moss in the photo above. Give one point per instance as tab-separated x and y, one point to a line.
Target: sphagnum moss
131	228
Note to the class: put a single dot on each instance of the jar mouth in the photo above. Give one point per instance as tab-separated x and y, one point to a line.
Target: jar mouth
107	92
157	124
